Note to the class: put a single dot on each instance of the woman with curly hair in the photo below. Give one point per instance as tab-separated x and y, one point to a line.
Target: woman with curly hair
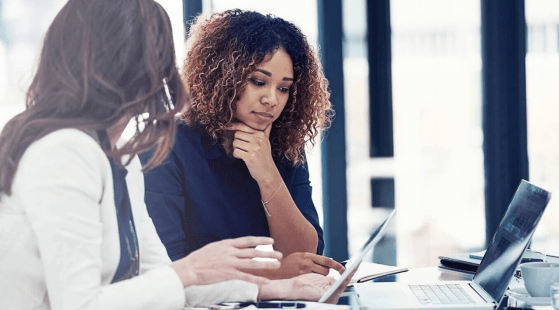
74	230
238	166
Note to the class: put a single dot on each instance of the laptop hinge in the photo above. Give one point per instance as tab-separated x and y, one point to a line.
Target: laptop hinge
482	293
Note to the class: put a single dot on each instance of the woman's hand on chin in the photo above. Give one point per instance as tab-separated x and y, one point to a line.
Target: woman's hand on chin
254	148
224	260
309	287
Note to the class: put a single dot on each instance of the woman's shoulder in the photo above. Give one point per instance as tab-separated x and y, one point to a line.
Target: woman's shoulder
190	131
65	139
190	136
69	156
65	143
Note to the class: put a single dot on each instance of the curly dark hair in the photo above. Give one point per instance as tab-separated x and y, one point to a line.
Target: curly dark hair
101	61
224	48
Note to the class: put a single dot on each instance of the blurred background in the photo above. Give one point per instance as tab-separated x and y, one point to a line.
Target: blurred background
435	174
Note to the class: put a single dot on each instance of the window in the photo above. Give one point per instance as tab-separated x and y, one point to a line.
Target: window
437	166
542	95
438	156
23	24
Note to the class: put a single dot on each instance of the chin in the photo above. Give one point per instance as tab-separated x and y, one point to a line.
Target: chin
258	126
255	126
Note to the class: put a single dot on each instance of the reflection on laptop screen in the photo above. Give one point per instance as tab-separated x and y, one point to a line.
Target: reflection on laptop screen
354	262
511	239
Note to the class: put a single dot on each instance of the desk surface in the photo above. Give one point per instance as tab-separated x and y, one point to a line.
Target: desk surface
423	275
430	274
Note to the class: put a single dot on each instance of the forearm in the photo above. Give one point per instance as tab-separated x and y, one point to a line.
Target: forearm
288	227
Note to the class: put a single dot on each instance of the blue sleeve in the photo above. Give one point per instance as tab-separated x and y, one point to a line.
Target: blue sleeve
164	197
301	192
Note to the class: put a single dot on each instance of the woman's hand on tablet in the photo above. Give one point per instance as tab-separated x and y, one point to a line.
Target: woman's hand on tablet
301	263
223	260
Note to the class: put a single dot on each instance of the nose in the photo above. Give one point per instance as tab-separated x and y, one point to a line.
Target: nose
270	97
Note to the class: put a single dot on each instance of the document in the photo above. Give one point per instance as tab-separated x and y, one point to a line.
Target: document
370	271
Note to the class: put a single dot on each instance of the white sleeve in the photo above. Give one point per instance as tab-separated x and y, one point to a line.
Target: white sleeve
229	291
61	180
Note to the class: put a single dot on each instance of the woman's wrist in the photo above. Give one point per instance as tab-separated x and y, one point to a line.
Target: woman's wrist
275	289
185	273
270	183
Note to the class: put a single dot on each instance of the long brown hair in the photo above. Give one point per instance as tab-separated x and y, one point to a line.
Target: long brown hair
101	61
225	48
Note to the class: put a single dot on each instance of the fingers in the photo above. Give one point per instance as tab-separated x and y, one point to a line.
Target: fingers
328	262
241	127
251	253
240	135
238	153
256	264
320	269
241	145
327	283
250	242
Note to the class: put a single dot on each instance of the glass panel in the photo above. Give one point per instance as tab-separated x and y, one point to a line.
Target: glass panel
542	94
439	181
23	24
362	218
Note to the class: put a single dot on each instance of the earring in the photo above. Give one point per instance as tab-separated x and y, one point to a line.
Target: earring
168	94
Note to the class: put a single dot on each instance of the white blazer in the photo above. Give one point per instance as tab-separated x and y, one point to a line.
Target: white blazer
59	241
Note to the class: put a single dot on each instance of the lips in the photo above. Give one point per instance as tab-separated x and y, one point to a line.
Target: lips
264	114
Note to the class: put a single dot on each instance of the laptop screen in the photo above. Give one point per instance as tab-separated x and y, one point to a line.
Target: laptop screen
354	262
511	239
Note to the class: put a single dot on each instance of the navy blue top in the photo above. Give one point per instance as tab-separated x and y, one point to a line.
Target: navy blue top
201	195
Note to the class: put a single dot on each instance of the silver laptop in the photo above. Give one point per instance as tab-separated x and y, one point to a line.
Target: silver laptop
491	280
354	262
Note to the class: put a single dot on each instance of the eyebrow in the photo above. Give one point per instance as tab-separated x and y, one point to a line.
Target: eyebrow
270	74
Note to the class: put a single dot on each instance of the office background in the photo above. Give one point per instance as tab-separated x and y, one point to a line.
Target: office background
442	106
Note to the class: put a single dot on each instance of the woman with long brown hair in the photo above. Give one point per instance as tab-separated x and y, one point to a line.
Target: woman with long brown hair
74	231
238	166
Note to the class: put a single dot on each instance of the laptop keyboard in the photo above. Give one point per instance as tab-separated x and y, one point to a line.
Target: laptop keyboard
441	294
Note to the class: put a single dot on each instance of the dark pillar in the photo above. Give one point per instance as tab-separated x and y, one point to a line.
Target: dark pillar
380	78
334	165
191	9
382	190
503	28
381	130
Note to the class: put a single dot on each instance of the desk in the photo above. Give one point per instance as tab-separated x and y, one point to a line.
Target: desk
418	275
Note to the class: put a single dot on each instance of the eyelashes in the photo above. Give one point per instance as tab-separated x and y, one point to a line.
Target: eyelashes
257	82
260	83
